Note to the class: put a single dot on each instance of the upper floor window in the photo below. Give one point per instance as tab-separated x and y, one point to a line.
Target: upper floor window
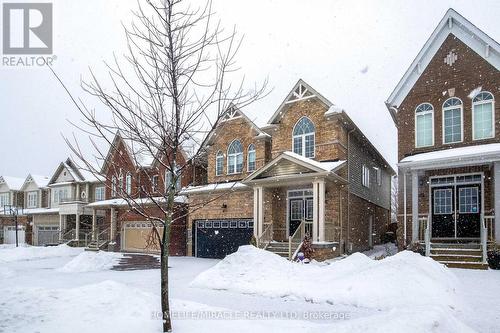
483	116
452	120
378	173
365	176
303	137
219	163
235	157
32	199
113	186
424	125
120	181
154	183
169	176
128	183
251	158
60	195
4	199
99	193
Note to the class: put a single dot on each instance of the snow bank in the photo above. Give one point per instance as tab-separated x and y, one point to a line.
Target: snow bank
357	280
26	252
382	251
92	261
6	272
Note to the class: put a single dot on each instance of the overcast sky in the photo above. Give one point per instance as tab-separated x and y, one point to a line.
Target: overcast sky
352	52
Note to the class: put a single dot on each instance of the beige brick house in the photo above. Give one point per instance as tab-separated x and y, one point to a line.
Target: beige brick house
309	170
449	144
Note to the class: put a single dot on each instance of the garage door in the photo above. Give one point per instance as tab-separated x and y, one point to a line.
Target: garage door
10	235
47	235
218	238
135	236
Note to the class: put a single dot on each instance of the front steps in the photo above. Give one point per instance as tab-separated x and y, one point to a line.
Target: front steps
279	248
459	255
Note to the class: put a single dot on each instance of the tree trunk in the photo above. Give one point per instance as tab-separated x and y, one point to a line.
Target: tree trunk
165	306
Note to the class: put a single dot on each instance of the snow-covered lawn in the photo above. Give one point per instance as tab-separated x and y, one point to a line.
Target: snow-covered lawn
66	290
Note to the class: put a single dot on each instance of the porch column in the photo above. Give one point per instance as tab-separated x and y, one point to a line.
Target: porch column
112	230
414	206
496	195
256	230
61	227
94	225
77	227
318	211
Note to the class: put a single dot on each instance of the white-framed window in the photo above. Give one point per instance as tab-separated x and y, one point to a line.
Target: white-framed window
169	176
443	201
483	116
452	120
4	199
99	193
296	209
154	183
120	181
235	158
128	183
59	194
32	199
113	186
378	174
365	176
468	200
251	158
219	163
424	125
303	137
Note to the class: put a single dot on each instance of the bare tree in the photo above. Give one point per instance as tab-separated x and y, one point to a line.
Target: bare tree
169	91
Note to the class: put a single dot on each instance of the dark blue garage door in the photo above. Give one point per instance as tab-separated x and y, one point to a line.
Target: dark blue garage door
218	238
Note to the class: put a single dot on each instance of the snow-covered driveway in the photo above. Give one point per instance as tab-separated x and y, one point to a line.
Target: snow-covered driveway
39	295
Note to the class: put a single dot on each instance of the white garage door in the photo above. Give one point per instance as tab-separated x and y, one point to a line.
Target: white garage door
47	234
10	235
135	237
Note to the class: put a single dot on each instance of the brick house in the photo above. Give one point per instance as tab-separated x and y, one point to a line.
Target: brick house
449	144
139	174
11	195
310	170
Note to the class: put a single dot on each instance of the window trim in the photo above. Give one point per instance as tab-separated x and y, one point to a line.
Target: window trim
128	183
448	108
303	138
154	187
248	157
365	176
492	101
28	205
236	172
98	189
113	186
219	155
432	124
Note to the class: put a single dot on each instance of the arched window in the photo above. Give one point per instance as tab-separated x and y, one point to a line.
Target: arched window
424	125
452	120
251	158
235	157
113	186
303	137
219	163
128	183
483	116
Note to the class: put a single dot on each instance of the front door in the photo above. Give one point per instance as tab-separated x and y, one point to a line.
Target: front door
443	212
296	214
469	211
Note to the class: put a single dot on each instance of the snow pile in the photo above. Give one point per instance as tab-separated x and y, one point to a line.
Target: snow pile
91	262
26	252
6	272
382	251
357	280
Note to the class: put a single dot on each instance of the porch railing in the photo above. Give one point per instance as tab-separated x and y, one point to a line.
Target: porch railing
422	227
427	238
484	240
489	221
265	237
295	241
103	236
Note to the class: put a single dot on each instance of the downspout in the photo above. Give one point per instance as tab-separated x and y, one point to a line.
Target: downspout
404	207
348	188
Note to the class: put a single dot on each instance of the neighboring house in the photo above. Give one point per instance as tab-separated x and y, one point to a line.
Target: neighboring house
66	215
139	173
309	170
449	144
12	196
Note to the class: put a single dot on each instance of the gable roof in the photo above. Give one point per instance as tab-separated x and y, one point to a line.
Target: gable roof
300	91
40	181
79	175
13	183
140	157
464	30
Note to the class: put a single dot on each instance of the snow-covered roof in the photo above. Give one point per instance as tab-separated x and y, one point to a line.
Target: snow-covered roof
13	183
324	165
41	181
464	30
31	211
139	201
214	187
464	155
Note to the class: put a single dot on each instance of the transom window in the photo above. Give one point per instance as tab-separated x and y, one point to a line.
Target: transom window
443	201
452	120
235	157
219	163
303	137
483	116
251	158
424	125
468	200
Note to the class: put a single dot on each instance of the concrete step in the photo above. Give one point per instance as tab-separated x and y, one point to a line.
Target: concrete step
470	246
444	251
457	258
465	265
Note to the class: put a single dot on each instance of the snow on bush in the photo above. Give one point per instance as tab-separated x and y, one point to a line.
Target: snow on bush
92	261
26	252
399	280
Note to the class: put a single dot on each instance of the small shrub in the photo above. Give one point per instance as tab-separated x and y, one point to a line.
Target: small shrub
494	259
307	247
253	241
